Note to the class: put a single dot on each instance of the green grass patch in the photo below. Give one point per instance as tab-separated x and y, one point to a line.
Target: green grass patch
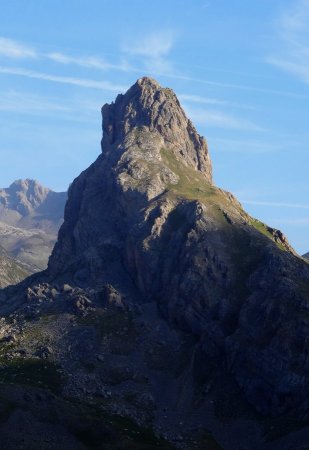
32	372
191	184
100	430
263	229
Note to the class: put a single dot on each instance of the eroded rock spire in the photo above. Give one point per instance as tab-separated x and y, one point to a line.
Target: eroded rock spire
147	104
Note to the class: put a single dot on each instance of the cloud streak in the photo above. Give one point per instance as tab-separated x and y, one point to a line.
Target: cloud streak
152	51
77	109
13	49
215	118
275	204
249	145
211	101
155	45
86	83
91	62
297	221
14	101
151	54
292	54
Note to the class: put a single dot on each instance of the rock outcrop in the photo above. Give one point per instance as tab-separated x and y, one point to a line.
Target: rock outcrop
163	299
30	217
146	105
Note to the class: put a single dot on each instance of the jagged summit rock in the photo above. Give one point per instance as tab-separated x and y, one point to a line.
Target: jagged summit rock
148	106
163	299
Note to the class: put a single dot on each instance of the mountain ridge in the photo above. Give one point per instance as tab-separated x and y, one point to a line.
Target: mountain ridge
30	216
26	203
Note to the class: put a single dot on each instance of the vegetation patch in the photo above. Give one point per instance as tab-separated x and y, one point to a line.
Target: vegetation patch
32	372
101	430
263	229
191	183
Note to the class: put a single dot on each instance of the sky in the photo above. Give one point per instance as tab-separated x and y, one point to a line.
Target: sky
240	69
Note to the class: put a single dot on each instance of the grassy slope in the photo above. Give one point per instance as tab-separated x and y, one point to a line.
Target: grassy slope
193	186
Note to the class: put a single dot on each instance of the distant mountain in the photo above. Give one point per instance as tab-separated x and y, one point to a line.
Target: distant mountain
306	255
29	205
30	216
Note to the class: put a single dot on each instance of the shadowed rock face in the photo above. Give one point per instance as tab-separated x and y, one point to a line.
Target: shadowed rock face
146	218
186	309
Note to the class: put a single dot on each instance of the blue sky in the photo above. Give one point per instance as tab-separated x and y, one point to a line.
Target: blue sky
240	69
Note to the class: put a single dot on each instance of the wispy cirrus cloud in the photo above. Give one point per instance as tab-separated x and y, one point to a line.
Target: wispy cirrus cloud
91	62
77	109
145	54
274	204
154	45
83	82
216	118
13	49
250	145
152	50
292	53
295	221
16	101
211	101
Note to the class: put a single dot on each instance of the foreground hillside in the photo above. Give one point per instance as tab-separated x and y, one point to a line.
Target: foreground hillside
165	306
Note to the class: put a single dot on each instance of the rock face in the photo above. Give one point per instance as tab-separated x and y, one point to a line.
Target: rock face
166	298
30	216
146	105
146	218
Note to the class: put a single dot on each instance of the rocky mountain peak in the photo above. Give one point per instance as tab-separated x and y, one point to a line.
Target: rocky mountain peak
30	217
23	195
149	107
163	301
